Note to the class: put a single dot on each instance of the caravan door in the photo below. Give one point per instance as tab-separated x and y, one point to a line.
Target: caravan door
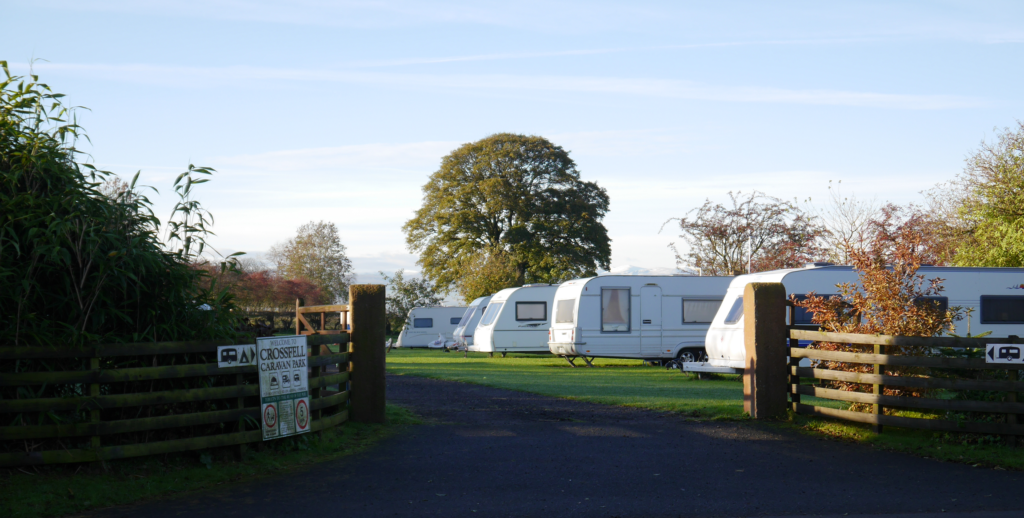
650	321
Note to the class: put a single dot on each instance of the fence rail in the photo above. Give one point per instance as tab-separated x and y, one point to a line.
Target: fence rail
1006	411
70	425
300	320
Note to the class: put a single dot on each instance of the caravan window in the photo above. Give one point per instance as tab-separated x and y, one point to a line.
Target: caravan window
464	321
803	316
942	302
455	320
615	310
1002	309
531	311
697	311
490	314
563	311
422	322
735	312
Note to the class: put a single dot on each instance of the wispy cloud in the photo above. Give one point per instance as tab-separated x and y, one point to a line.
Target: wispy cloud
601	51
241	76
421	157
994	22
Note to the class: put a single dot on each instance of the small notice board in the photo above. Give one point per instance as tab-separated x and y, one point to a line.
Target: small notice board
1004	353
284	385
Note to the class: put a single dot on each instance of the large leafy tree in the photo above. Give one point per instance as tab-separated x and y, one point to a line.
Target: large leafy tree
757	233
511	200
316	254
982	210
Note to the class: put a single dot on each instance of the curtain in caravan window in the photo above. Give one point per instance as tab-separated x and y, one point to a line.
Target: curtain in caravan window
615	309
563	311
700	311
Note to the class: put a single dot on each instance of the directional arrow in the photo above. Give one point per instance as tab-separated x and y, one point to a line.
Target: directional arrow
992	353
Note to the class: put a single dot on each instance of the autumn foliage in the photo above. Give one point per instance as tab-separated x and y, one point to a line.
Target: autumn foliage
263	290
890	298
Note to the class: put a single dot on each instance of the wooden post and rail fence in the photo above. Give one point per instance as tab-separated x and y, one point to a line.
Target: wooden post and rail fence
774	384
111	401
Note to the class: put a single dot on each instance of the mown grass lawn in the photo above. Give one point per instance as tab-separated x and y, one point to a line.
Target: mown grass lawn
631	383
612	382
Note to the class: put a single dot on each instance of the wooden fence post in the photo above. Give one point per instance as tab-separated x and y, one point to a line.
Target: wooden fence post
878	389
240	380
366	382
94	415
765	380
794	379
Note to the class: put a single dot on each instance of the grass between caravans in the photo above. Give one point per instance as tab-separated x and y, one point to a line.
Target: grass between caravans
612	382
64	489
631	383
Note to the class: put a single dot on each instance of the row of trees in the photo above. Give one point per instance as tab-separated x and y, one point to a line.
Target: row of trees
976	219
312	266
512	209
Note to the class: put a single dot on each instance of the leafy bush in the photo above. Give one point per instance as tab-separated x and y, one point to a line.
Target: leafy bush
81	260
890	298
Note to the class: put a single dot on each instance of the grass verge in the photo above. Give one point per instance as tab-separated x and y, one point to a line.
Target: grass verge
978	451
631	383
59	490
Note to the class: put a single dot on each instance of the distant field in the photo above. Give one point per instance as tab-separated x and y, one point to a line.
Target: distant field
613	382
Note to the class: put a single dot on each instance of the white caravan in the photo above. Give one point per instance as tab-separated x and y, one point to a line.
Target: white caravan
463	334
996	294
516	321
635	316
425	324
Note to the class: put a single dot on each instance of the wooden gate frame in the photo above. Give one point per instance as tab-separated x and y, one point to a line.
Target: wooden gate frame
323	310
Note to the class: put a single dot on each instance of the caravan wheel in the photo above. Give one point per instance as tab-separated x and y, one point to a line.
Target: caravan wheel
688	355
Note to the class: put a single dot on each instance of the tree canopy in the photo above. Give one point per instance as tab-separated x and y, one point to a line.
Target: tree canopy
316	254
518	200
758	231
984	205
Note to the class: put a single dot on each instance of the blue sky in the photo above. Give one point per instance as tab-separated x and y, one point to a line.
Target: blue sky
341	110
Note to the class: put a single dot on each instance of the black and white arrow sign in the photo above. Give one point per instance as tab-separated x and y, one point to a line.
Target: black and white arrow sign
236	355
1004	353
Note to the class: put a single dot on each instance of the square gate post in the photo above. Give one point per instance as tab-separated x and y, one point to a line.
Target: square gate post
765	376
366	375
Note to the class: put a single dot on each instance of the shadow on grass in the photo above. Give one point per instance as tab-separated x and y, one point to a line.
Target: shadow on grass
64	489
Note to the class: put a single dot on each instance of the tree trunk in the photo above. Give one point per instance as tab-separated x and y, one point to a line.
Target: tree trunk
521	273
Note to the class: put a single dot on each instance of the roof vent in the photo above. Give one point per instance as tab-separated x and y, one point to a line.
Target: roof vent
814	265
534	285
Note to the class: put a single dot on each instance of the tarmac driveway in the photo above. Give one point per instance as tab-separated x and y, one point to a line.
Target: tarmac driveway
493	452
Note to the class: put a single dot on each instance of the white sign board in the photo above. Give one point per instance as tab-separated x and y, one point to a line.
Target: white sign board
1004	353
236	355
284	385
